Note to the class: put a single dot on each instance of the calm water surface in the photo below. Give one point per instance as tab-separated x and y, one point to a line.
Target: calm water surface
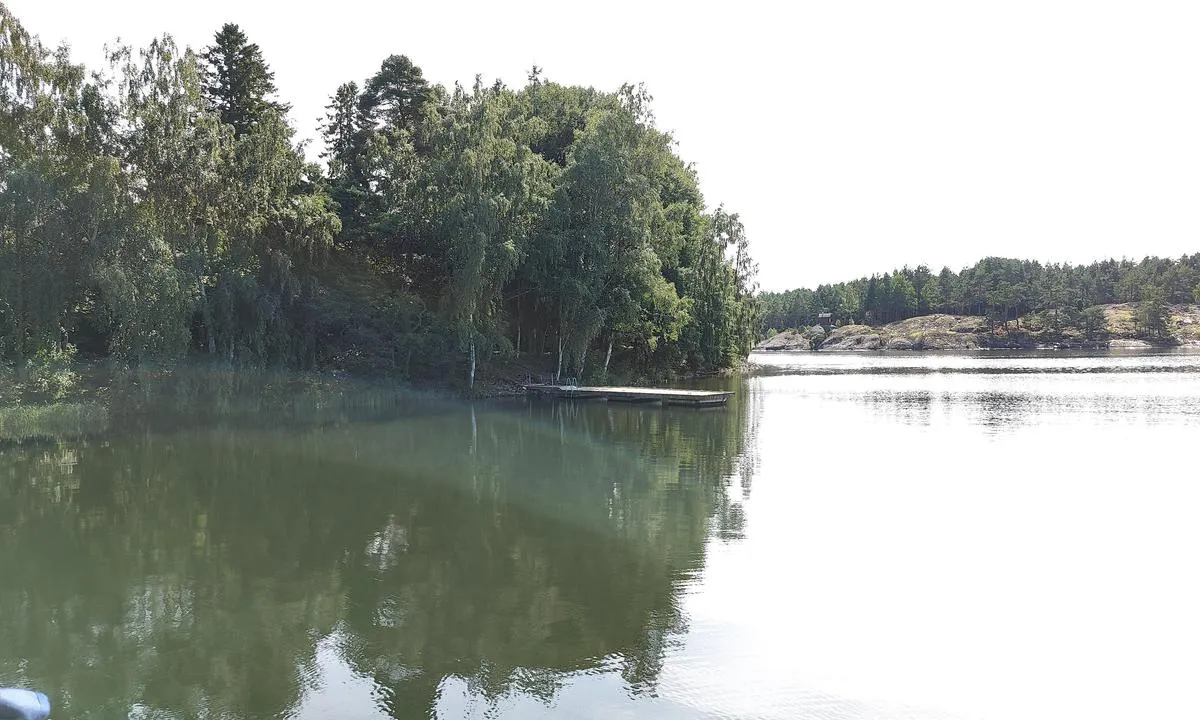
959	536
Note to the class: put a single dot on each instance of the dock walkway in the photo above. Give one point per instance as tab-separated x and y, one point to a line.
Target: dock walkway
664	396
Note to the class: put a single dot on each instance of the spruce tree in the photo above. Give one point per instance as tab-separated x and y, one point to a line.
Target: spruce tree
238	84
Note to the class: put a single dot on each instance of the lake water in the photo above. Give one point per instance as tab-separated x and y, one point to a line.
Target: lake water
961	536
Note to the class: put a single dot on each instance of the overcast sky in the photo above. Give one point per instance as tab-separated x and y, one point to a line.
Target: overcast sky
852	137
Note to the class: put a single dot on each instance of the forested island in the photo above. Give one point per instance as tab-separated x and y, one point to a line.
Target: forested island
998	302
159	208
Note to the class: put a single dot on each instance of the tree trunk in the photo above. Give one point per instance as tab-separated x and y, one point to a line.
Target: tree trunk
558	370
471	365
207	316
19	348
608	357
19	311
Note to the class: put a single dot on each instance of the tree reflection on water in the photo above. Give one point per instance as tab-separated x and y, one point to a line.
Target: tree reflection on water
195	573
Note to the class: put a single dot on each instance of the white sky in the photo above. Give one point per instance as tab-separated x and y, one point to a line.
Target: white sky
852	137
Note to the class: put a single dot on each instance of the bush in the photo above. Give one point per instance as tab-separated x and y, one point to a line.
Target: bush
48	377
51	375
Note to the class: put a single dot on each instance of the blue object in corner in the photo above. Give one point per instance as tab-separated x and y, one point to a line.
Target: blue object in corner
23	705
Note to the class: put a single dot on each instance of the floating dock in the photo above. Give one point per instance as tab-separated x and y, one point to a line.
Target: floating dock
662	396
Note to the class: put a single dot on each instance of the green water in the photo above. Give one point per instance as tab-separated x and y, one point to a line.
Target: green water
231	570
882	536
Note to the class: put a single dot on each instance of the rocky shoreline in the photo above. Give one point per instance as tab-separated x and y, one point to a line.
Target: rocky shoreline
971	332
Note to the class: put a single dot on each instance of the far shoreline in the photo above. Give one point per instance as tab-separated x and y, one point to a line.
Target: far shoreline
1115	326
1045	347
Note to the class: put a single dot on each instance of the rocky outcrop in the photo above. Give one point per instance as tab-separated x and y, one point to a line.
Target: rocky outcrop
970	332
928	332
854	337
786	340
792	340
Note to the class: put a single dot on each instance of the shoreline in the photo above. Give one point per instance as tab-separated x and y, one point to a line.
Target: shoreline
162	399
1117	344
1117	327
89	398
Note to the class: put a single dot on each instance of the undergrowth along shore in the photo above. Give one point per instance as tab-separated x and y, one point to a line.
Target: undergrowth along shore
63	399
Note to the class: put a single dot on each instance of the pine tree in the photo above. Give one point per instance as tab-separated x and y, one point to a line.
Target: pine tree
1092	321
396	96
1153	313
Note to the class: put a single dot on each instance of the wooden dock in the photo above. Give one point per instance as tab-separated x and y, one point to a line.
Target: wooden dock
703	398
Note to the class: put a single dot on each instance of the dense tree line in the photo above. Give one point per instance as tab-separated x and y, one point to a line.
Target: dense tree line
161	207
999	288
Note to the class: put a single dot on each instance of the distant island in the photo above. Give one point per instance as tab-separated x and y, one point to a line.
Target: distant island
996	303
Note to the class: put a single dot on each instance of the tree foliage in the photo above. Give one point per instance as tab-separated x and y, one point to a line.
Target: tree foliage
1092	321
53	172
237	81
1152	313
1000	288
161	208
